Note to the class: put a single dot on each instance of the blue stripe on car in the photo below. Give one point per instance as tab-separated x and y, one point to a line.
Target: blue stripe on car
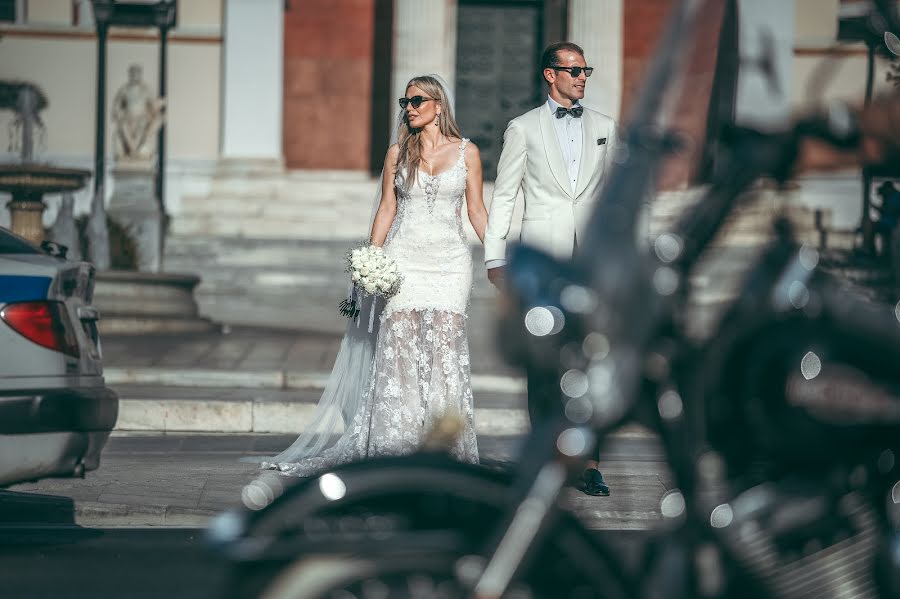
19	288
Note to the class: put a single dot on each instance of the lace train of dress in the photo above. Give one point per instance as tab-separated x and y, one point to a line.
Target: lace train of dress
420	370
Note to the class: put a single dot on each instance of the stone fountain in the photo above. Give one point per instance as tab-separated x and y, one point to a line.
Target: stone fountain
27	180
137	301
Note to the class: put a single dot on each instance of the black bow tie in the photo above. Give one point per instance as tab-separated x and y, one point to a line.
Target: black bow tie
575	111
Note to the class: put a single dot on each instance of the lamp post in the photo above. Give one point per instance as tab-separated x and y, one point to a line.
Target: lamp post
103	10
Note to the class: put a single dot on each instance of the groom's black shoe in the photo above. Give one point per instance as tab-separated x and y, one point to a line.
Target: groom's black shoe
592	483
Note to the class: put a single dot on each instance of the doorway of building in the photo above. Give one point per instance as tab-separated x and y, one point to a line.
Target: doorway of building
497	53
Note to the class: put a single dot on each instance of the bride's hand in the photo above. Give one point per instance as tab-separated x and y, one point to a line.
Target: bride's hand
497	276
478	215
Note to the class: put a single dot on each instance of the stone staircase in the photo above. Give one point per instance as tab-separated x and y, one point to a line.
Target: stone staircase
271	205
269	248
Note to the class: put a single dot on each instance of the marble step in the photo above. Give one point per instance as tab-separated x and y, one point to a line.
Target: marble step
349	219
304	292
290	267
270	227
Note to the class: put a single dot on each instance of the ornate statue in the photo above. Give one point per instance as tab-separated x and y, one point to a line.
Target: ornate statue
137	115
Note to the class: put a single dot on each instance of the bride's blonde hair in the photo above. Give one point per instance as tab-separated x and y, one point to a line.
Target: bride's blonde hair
409	139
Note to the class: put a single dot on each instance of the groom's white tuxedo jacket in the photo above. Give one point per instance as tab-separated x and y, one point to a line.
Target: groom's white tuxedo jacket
531	159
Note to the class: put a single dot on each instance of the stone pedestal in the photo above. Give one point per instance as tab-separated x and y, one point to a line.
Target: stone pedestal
25	218
148	303
135	207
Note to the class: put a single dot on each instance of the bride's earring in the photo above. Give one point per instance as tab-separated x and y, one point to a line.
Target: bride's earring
437	120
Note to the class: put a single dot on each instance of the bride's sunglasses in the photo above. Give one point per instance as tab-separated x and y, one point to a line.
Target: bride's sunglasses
416	101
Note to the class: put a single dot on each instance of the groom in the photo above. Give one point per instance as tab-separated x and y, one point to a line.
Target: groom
558	154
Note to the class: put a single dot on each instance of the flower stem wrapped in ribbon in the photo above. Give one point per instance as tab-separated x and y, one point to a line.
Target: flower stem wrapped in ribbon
372	272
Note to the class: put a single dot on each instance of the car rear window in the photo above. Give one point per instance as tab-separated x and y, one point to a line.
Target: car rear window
10	244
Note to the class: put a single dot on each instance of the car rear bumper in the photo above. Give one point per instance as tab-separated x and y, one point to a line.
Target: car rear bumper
92	409
30	457
54	433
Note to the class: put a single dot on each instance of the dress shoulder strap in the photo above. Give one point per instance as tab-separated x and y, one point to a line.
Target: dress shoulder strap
462	147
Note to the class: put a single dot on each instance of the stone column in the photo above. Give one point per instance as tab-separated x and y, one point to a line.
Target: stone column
424	42
85	13
596	26
253	54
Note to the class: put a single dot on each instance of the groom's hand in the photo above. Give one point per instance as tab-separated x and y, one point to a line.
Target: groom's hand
496	276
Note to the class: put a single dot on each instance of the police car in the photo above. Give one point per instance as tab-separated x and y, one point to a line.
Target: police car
56	412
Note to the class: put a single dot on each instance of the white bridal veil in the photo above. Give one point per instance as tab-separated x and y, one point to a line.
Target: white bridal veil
350	381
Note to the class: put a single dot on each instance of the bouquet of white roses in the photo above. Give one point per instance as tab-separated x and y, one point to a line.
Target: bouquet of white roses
372	272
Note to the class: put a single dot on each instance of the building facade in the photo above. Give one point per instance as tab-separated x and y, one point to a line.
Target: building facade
311	85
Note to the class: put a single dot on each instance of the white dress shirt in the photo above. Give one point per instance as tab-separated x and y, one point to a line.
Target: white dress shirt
569	134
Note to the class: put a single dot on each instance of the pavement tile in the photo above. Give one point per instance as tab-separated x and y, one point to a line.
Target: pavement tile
154	473
136	443
282	417
179	415
265	352
221	499
306	379
667	480
217	443
233	479
272	444
215	505
186	352
151	498
225	355
313	353
633	502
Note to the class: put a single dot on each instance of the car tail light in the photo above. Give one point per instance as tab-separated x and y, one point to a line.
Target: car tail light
45	323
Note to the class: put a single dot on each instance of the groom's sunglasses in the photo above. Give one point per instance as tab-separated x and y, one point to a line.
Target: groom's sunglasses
416	101
575	71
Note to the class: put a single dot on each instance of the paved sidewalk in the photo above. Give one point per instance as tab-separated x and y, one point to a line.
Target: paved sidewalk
183	480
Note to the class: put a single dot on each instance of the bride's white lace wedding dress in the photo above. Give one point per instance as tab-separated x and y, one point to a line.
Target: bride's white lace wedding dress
421	364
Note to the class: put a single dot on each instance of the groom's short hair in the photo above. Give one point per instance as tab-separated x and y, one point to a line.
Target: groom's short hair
550	57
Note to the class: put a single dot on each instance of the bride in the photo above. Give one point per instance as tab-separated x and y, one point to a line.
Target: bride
389	398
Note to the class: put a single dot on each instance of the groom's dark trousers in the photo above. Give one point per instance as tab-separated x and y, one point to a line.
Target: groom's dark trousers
543	399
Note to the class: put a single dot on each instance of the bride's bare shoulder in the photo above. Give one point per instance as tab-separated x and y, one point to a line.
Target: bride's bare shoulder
471	148
390	158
